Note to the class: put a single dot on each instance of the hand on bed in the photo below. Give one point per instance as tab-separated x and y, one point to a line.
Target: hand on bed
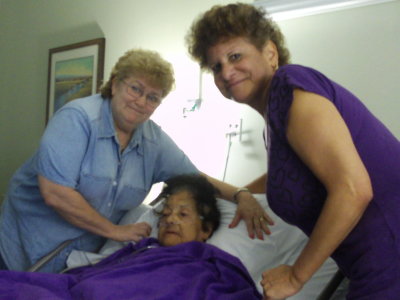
255	217
132	232
280	283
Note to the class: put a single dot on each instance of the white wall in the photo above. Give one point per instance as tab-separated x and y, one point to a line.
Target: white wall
358	47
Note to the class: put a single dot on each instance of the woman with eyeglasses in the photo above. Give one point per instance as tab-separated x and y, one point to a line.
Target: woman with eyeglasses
98	158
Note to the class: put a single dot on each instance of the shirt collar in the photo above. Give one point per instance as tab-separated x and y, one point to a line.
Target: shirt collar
136	140
106	120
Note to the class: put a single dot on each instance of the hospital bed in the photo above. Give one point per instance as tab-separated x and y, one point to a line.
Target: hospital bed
281	247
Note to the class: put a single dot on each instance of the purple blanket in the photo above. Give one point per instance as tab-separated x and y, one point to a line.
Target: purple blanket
144	271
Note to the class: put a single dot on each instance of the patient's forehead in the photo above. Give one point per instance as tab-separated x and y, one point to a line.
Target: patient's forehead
180	200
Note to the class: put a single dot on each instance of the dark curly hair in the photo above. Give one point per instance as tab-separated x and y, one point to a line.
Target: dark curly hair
234	20
204	194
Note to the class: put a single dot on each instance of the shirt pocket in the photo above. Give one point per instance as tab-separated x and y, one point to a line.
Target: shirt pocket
96	190
130	197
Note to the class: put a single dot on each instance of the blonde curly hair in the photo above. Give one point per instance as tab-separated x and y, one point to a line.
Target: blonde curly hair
143	63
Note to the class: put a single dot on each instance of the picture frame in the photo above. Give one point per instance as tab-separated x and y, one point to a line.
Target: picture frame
74	71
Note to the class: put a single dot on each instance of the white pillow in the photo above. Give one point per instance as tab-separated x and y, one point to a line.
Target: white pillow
282	246
257	255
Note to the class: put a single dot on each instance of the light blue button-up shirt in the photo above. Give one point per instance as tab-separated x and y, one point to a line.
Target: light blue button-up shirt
79	149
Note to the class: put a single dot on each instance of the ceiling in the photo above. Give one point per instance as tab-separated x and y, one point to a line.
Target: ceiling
289	9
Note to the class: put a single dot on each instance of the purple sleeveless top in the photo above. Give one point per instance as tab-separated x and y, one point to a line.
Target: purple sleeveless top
370	255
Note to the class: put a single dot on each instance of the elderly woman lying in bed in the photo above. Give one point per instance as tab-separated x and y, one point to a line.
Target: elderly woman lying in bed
179	265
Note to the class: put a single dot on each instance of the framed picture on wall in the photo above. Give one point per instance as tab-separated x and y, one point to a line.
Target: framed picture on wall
75	71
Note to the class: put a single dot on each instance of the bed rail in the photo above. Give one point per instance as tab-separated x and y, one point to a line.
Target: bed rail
45	259
331	287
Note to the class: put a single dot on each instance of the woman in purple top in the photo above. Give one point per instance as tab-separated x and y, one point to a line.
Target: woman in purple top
333	168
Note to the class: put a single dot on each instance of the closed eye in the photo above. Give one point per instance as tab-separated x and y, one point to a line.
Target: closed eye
183	215
165	212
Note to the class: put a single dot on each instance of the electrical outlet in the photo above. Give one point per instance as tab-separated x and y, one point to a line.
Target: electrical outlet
234	130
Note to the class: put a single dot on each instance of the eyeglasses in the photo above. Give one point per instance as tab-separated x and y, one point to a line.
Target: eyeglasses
176	216
134	90
164	221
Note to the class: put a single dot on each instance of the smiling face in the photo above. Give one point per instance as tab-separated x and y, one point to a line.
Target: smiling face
241	71
130	110
180	221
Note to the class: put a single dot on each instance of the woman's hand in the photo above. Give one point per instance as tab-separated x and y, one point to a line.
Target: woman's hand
256	219
280	283
132	232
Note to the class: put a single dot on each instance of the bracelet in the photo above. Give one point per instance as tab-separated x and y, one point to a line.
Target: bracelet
238	191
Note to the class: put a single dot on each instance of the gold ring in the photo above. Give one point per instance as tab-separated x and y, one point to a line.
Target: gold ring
261	219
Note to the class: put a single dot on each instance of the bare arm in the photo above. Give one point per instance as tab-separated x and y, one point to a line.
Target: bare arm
320	137
71	205
258	186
